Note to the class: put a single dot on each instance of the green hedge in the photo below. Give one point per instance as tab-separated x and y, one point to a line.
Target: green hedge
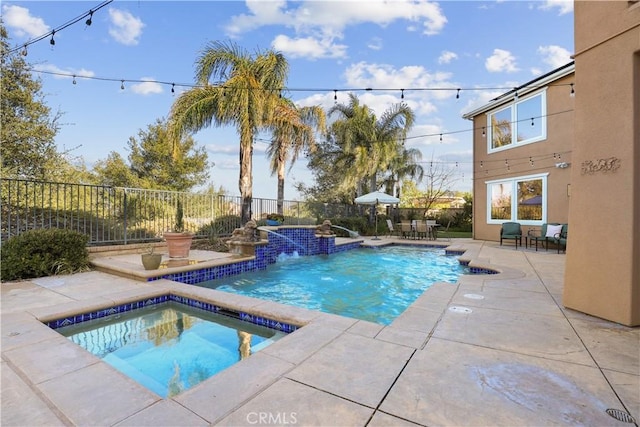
44	252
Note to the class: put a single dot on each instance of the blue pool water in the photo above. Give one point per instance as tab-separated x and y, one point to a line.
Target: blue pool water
170	347
369	284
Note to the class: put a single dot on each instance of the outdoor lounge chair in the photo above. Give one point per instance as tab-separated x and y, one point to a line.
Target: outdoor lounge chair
546	233
511	231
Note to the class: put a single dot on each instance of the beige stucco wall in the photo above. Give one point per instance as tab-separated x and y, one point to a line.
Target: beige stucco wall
602	276
560	107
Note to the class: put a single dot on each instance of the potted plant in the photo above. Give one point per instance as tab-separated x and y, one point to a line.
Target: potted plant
150	259
275	219
178	240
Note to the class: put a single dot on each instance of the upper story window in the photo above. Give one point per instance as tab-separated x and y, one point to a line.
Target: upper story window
522	122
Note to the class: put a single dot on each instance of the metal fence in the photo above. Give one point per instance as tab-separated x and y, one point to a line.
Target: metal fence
113	215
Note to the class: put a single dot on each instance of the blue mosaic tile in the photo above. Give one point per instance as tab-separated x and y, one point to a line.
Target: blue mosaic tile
212	308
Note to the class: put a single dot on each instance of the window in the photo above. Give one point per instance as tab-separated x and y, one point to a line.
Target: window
521	199
522	122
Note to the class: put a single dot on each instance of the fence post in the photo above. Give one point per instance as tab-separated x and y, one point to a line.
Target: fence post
125	216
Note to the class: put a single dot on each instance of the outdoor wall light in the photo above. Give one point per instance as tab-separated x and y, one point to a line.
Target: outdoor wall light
562	165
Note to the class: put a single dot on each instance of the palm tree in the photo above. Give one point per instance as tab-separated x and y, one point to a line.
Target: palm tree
293	130
244	94
372	145
404	165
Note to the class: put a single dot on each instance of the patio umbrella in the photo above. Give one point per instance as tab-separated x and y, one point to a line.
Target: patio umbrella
373	199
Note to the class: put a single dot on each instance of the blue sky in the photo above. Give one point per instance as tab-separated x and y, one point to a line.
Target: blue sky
483	47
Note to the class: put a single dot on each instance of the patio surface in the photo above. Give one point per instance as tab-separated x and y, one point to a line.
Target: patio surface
495	350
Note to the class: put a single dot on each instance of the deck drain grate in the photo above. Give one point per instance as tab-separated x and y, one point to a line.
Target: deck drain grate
621	415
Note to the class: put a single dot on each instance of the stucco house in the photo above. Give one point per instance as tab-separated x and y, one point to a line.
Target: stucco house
578	155
522	154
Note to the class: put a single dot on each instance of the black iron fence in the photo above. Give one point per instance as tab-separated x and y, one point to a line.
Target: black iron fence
113	215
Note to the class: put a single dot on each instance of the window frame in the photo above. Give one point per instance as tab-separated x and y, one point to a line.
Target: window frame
516	122
513	181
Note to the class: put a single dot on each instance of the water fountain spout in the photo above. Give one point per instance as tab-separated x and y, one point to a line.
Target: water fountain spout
293	242
352	234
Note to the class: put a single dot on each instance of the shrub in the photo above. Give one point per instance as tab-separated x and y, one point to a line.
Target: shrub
44	252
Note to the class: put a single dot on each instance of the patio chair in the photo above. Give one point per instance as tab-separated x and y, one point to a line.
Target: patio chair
421	230
406	229
444	232
547	232
392	230
560	239
431	225
511	231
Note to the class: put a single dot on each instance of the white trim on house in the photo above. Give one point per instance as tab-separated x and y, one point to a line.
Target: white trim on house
523	90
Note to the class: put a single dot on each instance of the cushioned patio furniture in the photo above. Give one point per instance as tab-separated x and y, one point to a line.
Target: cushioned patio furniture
511	231
547	232
560	239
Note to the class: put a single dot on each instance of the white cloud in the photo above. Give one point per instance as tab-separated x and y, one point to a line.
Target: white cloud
64	73
318	20
375	43
22	22
555	56
148	87
563	6
125	28
501	61
308	47
446	57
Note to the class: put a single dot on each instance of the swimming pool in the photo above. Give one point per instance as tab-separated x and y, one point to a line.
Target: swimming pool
170	347
368	284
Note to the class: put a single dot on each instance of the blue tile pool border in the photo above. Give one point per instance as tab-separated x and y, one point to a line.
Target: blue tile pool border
289	240
190	302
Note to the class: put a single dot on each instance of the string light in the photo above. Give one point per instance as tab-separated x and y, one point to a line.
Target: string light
335	96
573	92
401	93
51	33
74	79
532	124
458	94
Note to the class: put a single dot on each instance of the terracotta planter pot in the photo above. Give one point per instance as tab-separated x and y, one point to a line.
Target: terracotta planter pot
151	261
178	244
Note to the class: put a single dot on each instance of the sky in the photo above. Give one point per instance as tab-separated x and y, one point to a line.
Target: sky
134	53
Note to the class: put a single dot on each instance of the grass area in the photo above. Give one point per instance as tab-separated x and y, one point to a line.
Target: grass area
460	234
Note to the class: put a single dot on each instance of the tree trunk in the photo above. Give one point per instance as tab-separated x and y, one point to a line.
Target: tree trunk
245	183
280	202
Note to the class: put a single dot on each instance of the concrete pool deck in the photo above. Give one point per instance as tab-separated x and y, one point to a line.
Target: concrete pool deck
497	350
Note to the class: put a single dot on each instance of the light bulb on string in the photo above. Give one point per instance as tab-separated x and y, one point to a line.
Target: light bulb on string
24	51
335	96
483	132
401	93
89	21
173	88
573	92
52	42
458	94
532	124
440	137
74	79
122	84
